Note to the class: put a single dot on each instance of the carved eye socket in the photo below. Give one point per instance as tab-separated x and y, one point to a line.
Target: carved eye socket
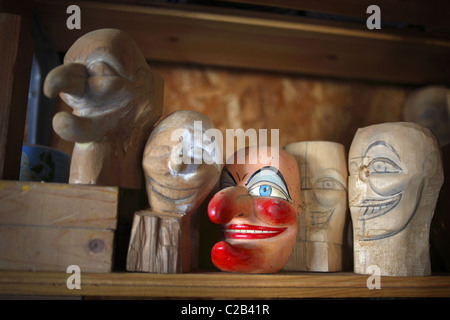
101	68
383	165
267	189
329	184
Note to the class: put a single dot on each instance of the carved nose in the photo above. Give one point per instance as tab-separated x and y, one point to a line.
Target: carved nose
229	203
68	78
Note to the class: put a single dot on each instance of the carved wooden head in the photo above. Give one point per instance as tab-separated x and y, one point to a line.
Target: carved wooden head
179	168
430	108
104	78
116	99
323	168
395	177
258	206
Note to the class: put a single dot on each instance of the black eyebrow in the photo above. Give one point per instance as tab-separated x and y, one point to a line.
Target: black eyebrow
382	143
273	169
229	173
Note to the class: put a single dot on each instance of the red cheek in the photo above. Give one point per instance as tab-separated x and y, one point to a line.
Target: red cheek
275	211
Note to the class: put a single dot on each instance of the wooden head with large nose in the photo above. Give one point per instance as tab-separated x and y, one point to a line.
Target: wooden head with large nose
116	99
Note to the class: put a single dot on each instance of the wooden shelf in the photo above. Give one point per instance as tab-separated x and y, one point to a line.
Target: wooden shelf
262	41
222	285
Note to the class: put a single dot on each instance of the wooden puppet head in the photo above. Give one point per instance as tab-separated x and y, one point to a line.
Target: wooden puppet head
179	168
323	171
395	177
116	99
258	205
430	108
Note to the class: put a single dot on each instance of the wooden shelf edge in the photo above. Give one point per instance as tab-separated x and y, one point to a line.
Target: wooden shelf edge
216	285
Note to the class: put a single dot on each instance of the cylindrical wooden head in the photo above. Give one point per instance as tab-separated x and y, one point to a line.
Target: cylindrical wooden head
395	177
323	171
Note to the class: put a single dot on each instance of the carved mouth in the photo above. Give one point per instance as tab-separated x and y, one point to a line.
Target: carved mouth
372	208
251	232
319	218
173	194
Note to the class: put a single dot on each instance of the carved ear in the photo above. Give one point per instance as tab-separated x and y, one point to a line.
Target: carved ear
141	77
431	164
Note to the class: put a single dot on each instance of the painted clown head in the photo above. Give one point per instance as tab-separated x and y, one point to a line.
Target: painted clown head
258	204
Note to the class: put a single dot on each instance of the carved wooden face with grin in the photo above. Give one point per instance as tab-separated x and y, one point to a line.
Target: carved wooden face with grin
391	166
171	188
258	206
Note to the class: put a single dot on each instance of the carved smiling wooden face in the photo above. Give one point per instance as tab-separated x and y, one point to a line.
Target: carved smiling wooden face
395	172
258	206
179	188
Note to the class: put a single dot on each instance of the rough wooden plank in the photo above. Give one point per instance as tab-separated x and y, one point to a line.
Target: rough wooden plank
54	204
263	42
54	249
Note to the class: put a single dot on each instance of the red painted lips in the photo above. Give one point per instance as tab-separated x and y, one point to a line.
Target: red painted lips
250	232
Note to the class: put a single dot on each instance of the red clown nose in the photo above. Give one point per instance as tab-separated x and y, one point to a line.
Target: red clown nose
228	203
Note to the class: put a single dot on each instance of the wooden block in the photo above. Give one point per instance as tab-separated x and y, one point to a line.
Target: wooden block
160	244
37	248
49	226
58	205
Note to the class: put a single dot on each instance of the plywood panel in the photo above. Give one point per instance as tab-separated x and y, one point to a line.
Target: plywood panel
301	108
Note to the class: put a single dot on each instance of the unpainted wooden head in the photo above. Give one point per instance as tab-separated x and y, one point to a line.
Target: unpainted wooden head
430	108
116	99
395	175
323	168
179	163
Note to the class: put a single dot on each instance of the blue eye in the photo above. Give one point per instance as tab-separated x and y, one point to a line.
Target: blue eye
265	190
